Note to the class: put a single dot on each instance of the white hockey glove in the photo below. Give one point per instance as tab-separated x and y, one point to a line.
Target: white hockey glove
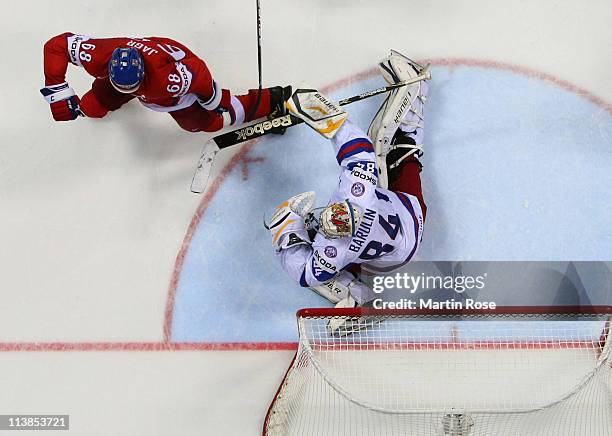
317	110
287	224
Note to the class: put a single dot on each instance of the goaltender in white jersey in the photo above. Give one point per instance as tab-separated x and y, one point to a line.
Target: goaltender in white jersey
363	223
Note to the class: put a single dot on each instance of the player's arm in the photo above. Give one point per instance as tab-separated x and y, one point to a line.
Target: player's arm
290	236
325	261
354	151
308	263
210	94
355	155
194	76
55	53
302	261
61	97
318	264
235	109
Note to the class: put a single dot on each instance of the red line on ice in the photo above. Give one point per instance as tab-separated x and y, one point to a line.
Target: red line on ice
453	343
144	346
525	71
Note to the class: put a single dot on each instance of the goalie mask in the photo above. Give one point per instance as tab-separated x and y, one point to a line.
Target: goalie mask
340	219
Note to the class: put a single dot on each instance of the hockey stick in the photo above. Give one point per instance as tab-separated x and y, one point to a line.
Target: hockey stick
202	172
264	127
256	106
238	136
209	151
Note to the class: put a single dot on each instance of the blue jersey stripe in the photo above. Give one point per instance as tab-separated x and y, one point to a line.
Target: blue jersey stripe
353	147
406	202
303	282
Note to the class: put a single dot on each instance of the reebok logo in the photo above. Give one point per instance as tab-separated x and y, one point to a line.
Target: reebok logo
261	128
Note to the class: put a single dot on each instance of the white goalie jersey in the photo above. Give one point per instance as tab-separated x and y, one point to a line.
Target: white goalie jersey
390	230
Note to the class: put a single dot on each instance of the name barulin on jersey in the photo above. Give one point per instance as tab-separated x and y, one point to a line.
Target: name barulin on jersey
361	235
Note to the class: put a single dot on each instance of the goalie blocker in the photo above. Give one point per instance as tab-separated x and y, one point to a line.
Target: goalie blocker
324	115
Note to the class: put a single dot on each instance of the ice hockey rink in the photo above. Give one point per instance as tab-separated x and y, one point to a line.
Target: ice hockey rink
139	308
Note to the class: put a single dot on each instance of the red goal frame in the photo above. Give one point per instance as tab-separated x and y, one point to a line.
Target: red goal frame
501	310
454	343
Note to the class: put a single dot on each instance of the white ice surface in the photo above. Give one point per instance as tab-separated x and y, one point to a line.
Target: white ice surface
93	213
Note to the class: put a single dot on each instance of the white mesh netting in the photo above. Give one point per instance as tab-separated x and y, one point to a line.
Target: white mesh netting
443	375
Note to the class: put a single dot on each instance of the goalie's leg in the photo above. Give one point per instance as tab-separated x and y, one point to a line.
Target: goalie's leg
359	295
344	287
406	178
397	128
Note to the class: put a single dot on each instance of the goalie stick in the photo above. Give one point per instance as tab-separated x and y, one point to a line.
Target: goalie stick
238	136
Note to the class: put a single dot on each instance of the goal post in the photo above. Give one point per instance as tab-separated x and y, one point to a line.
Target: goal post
508	371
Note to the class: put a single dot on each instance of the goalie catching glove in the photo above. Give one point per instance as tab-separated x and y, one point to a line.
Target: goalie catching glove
317	110
287	224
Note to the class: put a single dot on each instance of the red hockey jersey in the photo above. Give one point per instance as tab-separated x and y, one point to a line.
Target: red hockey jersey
174	77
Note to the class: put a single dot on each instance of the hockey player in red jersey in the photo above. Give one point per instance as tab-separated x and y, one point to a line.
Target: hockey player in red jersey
161	73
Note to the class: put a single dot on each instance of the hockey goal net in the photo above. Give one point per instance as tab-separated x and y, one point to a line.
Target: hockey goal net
512	371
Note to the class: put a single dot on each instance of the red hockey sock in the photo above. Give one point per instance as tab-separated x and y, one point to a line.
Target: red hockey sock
249	101
409	180
197	119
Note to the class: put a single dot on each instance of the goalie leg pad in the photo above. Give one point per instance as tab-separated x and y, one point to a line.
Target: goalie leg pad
333	291
345	326
396	68
345	288
401	110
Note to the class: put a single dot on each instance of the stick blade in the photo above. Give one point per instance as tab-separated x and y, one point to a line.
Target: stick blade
202	172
